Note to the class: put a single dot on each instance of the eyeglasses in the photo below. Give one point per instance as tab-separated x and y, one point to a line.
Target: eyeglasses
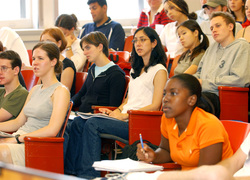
4	68
139	40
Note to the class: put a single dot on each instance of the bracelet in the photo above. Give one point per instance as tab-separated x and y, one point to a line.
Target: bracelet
119	109
17	139
68	48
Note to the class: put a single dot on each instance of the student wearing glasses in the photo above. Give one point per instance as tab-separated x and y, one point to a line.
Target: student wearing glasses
148	76
13	94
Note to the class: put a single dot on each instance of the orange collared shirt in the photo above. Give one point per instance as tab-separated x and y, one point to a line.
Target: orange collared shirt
203	130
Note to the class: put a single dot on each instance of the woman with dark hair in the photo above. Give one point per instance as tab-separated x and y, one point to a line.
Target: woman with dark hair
195	42
68	25
237	9
68	75
191	136
44	110
176	10
148	76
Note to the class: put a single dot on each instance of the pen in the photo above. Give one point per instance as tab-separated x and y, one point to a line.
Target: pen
142	143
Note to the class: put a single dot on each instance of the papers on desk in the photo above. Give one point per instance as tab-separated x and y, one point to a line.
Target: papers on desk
5	135
125	165
89	115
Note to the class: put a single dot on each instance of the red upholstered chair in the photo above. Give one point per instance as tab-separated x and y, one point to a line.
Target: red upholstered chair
237	132
87	66
119	56
29	78
30	56
128	45
80	79
46	153
174	64
233	103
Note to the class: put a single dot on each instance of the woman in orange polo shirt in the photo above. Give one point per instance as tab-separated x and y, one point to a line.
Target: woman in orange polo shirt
190	137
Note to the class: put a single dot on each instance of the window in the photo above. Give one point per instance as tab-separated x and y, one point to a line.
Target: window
16	14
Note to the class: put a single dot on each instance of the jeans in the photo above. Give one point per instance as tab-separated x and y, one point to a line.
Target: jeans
84	144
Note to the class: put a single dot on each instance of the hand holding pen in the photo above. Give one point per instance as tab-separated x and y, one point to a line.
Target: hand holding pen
144	152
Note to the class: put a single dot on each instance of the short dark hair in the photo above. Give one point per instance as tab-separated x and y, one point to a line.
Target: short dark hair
13	57
52	52
191	83
100	2
66	21
96	38
228	18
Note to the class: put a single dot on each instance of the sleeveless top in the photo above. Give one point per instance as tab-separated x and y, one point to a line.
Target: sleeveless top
141	89
38	109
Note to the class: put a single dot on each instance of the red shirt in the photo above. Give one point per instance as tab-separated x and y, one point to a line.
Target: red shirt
160	18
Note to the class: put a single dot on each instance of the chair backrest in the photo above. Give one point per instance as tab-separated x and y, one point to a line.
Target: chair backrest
128	45
62	130
30	56
237	132
119	56
29	78
233	103
174	64
87	66
80	79
127	79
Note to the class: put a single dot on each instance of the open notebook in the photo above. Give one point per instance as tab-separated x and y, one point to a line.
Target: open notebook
125	165
89	115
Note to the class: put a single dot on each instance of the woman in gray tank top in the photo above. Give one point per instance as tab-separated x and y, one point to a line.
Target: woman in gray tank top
44	110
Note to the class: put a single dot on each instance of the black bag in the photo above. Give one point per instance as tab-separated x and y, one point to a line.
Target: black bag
129	151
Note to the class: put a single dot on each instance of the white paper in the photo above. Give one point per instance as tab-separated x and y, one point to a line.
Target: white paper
125	165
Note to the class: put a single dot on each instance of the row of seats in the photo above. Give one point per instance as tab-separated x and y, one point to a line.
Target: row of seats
148	122
128	45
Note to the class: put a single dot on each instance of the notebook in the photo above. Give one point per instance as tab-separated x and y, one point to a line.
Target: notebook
125	165
89	115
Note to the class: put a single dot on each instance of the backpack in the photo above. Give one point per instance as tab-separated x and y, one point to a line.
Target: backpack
129	151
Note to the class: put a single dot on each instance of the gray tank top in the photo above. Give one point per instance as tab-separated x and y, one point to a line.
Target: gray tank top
39	109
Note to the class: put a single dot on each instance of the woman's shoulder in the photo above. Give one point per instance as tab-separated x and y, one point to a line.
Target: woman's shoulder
206	119
157	67
61	89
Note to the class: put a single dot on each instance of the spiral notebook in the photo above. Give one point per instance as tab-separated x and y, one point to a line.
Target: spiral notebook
125	165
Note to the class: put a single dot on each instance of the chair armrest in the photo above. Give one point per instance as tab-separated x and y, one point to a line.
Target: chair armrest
147	113
229	88
96	108
170	166
43	139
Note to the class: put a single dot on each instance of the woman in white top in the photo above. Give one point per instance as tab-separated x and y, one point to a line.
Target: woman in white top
148	77
176	10
68	24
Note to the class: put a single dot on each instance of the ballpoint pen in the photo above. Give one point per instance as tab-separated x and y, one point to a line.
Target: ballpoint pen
142	143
